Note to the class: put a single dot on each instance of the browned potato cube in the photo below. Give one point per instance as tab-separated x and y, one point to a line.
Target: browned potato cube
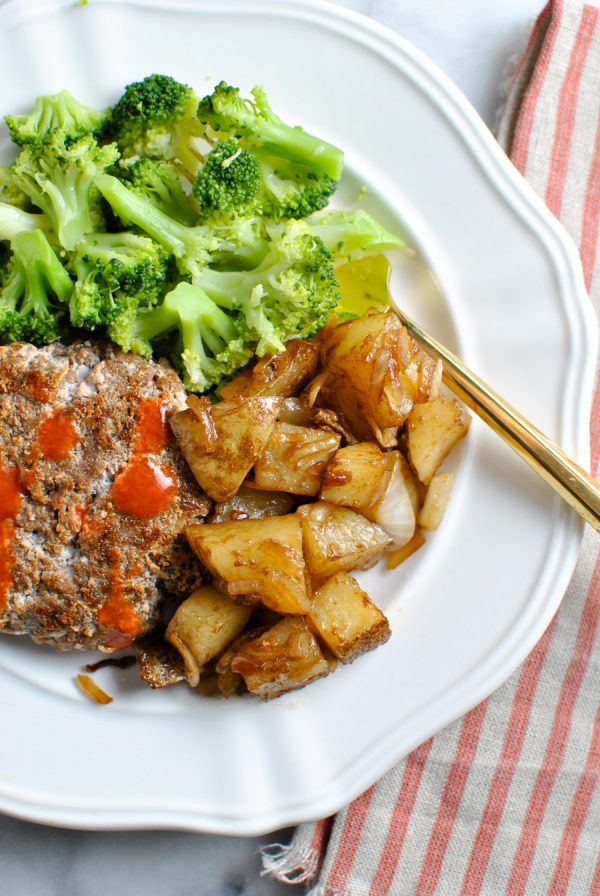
336	538
285	657
433	429
375	373
252	503
222	444
294	459
256	559
202	627
159	664
280	375
347	620
354	475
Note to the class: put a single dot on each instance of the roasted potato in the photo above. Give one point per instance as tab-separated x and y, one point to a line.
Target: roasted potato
347	620
222	444
256	560
336	538
294	459
202	627
432	430
159	663
281	659
436	499
279	375
354	476
374	373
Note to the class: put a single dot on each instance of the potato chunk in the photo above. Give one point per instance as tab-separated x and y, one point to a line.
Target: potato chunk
375	372
159	664
433	429
336	538
285	657
202	627
354	474
222	444
294	459
257	560
253	504
436	499
280	375
346	618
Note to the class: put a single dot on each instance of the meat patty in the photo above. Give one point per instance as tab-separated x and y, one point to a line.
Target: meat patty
93	495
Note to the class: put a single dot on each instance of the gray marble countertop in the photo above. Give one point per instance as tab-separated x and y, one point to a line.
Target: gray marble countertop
471	41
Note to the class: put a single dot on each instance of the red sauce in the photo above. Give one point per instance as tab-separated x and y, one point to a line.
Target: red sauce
10	501
118	620
57	435
145	487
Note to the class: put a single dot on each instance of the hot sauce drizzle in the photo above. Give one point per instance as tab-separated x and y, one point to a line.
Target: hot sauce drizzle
10	501
57	435
145	487
117	618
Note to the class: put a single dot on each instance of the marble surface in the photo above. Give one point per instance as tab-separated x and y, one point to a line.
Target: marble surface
471	41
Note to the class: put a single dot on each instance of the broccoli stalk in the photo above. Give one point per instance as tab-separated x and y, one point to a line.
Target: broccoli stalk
352	234
35	292
206	344
114	269
14	220
154	117
58	176
194	247
225	112
159	181
60	111
291	293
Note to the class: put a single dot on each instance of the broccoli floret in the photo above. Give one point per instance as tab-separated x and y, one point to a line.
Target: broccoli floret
234	179
227	114
159	181
229	179
291	293
154	117
113	269
14	220
10	192
193	247
352	234
205	341
35	291
58	176
60	111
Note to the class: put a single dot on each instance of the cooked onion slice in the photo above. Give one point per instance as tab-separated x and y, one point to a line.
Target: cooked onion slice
91	690
394	511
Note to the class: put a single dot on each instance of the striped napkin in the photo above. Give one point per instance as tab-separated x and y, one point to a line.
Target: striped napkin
506	801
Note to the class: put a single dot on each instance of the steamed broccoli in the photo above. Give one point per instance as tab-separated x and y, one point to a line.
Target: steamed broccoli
34	292
350	234
113	269
235	179
291	293
159	181
154	117
194	247
205	343
60	111
58	176
226	114
14	220
10	192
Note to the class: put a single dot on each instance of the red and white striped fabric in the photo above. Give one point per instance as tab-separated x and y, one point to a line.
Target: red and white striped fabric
506	801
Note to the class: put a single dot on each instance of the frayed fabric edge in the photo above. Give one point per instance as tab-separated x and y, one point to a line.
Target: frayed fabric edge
291	864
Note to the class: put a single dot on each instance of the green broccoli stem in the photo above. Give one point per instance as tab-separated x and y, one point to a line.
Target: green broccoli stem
43	270
352	234
135	209
199	320
296	145
14	220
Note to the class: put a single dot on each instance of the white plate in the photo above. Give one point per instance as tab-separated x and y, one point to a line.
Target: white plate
471	604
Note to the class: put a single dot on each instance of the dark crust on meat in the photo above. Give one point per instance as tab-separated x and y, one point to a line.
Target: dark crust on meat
71	545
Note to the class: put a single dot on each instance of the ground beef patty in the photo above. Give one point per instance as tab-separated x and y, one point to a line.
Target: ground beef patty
93	495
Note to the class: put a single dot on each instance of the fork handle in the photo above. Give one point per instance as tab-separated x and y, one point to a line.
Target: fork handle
571	481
